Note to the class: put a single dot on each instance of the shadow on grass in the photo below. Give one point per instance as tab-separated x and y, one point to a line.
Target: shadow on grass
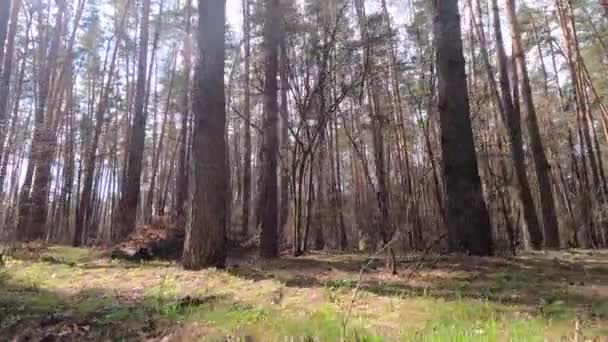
30	313
550	288
542	288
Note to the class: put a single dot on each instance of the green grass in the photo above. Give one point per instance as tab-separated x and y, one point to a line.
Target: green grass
525	300
478	321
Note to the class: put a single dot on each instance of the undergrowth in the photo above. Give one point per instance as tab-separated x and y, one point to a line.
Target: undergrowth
121	301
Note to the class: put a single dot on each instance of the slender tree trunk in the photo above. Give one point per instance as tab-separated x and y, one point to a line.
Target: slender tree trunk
6	70
157	153
378	121
127	213
5	9
83	211
339	201
541	164
181	182
246	204
512	120
32	219
7	65
284	180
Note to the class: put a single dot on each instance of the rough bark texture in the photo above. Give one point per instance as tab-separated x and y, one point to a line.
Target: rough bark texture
205	237
512	120
541	164
247	124
127	212
268	197
469	228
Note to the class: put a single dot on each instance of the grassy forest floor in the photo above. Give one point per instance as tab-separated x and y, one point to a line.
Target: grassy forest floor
64	294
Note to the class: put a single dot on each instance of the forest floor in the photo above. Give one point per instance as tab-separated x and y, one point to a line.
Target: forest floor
54	293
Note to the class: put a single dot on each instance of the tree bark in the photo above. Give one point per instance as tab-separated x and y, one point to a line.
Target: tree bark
469	227
205	237
12	132
268	197
7	66
157	153
512	120
181	182
284	180
246	204
83	212
378	120
127	212
33	218
541	164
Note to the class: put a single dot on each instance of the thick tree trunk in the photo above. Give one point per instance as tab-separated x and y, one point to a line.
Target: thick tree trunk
469	227
268	197
205	243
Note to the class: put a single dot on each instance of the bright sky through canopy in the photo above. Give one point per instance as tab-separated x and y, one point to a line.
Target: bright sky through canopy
234	14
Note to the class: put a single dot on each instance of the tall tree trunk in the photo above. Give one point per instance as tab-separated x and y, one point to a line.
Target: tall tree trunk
181	182
541	164
343	239
157	154
68	179
512	120
83	211
5	10
127	213
246	204
284	180
205	237
10	140
469	227
378	119
7	66
32	219
57	84
268	196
